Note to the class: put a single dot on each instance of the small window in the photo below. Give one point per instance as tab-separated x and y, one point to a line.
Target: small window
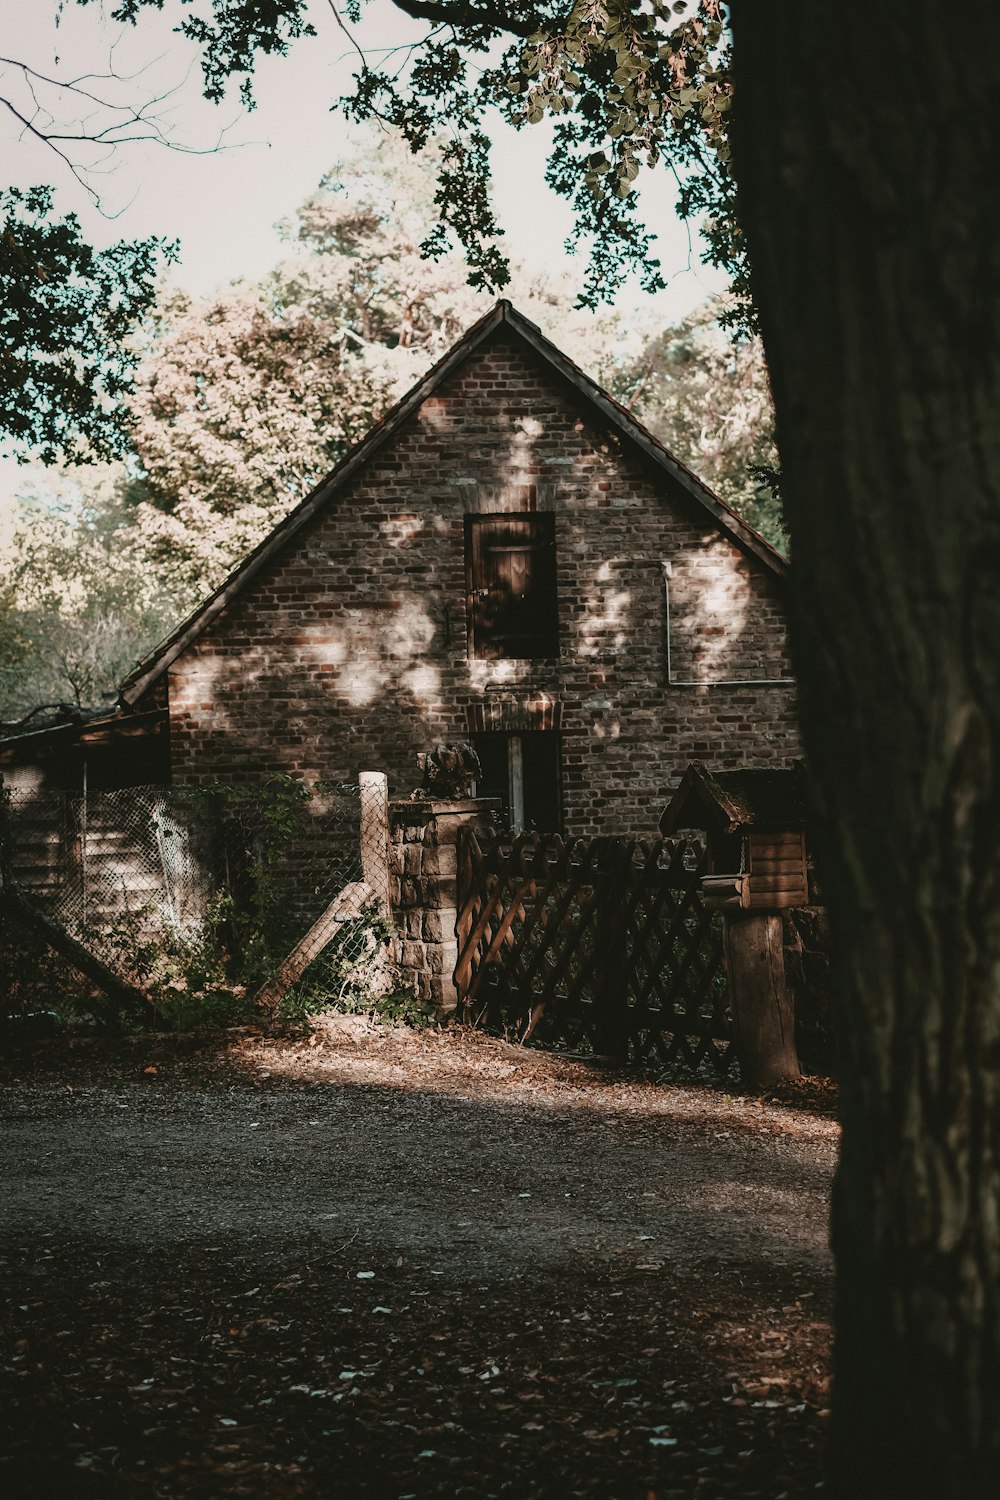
510	570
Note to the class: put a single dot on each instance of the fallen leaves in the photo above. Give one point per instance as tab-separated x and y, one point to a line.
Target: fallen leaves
233	1364
580	1385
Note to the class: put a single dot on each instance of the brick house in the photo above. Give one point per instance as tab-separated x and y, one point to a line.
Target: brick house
508	557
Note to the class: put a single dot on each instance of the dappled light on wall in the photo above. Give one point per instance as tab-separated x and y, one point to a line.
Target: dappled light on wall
710	602
527	431
423	683
497	672
607	620
397	531
375	650
606	727
409	632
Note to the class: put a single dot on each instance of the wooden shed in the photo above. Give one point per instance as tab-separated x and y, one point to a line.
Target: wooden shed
77	751
755	822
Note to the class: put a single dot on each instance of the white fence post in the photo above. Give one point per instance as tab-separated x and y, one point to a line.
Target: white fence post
374	796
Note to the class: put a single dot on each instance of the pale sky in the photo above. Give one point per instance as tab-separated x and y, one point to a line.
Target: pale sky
223	205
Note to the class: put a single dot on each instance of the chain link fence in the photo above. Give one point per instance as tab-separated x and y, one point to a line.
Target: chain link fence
206	892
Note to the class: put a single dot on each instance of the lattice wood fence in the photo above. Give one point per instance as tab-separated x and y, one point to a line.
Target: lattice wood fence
600	943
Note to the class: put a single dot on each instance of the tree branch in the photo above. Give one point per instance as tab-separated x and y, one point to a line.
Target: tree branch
122	124
493	17
47	140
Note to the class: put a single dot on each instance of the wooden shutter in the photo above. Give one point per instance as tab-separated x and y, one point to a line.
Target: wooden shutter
511	573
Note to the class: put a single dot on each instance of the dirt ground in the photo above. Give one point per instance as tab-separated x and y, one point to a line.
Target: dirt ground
405	1264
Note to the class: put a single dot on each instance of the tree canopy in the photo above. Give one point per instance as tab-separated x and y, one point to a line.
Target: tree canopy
78	599
629	84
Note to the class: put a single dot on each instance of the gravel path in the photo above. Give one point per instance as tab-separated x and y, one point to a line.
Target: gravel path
404	1266
514	1164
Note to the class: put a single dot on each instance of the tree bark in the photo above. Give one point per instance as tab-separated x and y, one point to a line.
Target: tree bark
867	157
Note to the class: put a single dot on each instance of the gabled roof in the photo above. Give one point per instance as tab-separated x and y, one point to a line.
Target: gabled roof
725	801
503	315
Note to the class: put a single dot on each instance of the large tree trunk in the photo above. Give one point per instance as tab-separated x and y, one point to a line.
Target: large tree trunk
867	153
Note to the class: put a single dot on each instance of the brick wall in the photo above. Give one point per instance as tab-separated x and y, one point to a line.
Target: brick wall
350	649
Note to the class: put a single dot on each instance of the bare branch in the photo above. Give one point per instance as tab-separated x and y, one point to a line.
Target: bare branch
50	142
338	18
106	127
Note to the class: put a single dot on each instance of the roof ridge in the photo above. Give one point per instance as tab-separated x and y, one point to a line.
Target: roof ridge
502	313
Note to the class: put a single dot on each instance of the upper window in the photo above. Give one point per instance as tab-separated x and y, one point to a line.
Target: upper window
510	572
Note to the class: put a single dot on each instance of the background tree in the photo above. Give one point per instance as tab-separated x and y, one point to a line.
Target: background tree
707	397
78	602
630	85
243	407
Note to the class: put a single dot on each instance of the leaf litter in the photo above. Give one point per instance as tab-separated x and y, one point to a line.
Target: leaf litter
145	1353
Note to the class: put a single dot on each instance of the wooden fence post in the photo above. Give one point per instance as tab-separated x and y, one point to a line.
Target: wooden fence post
119	990
610	999
762	1009
354	900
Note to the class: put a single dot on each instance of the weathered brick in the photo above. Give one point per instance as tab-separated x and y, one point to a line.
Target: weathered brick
349	649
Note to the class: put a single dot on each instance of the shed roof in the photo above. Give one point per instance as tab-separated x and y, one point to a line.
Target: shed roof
503	316
96	727
724	801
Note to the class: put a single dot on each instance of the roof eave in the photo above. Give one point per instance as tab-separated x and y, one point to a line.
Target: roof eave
634	432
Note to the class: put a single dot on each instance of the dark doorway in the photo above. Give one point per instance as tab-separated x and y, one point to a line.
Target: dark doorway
523	770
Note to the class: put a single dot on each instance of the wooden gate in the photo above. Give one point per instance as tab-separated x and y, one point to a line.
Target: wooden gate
601	943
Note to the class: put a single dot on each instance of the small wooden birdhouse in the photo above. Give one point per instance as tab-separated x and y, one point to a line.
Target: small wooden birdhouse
755	823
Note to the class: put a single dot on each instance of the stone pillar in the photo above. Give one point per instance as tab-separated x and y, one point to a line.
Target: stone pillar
423	871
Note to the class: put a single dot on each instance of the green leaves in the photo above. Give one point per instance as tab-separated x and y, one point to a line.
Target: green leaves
654	79
641	86
231	33
66	315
